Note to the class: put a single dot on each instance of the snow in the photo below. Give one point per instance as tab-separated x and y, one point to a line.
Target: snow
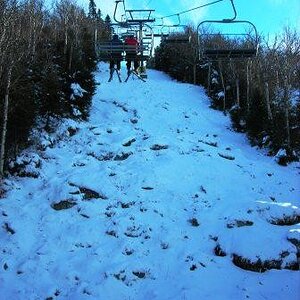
77	91
220	95
158	180
295	97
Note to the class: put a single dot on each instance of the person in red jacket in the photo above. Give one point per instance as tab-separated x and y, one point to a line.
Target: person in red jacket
131	55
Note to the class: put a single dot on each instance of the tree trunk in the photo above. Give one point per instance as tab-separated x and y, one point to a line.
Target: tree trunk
248	86
208	79
5	119
287	108
223	85
267	96
96	38
66	42
70	59
237	84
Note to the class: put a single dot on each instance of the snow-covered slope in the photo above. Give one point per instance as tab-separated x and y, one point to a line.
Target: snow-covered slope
153	198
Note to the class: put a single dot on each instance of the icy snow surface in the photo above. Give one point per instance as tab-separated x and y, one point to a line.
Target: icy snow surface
152	184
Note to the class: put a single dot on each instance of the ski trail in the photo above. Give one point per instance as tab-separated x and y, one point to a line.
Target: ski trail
154	187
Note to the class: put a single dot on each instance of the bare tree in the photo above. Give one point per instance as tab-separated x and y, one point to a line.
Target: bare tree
18	33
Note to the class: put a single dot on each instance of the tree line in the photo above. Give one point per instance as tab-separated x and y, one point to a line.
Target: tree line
44	53
261	94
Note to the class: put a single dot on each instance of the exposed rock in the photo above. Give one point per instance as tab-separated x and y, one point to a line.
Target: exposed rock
87	193
213	144
64	204
226	156
122	156
194	222
133	120
263	265
139	274
8	228
219	251
239	223
103	157
129	143
72	130
157	147
255	266
90	194
193	267
286	220
112	233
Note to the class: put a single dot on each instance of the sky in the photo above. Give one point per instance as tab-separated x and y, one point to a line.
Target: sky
269	16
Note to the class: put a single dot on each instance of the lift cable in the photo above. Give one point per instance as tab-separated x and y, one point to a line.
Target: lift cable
192	9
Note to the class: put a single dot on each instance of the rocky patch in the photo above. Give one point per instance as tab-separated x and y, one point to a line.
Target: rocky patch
64	204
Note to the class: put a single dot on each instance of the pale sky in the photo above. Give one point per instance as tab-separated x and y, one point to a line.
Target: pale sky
269	16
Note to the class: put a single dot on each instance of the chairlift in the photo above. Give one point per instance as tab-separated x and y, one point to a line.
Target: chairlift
128	32
134	20
215	51
140	15
107	51
177	34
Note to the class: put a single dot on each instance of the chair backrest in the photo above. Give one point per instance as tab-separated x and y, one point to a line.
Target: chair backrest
177	39
107	51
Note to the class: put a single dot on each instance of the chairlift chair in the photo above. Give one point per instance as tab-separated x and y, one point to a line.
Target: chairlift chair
217	52
175	36
137	19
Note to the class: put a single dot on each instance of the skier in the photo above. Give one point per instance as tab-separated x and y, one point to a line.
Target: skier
116	55
131	54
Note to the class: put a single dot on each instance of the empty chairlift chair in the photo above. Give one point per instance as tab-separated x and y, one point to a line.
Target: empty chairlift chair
234	44
177	34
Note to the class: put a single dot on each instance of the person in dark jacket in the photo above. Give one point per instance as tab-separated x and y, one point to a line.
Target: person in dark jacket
116	53
131	56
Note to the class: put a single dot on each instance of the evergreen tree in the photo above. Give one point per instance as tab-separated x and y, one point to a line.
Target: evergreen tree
92	10
43	55
108	28
99	14
108	21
